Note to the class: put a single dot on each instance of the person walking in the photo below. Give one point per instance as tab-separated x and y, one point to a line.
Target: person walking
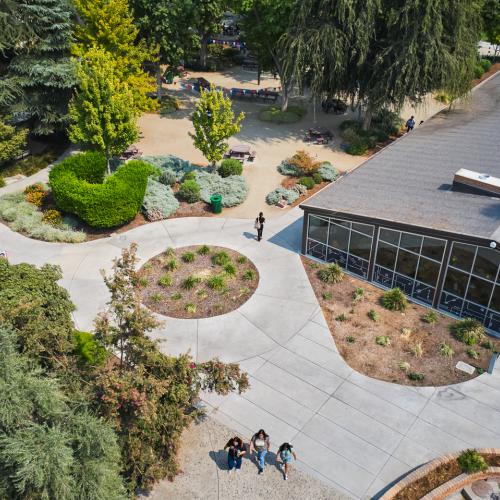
285	455
259	225
410	124
236	450
260	444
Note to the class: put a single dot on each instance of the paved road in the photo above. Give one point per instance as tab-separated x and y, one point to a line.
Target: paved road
355	433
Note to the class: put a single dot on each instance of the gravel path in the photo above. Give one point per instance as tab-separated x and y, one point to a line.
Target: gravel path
205	476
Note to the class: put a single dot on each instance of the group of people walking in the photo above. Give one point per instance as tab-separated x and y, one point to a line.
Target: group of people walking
259	447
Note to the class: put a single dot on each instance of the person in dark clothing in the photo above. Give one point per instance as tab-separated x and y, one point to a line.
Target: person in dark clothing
410	124
236	450
259	225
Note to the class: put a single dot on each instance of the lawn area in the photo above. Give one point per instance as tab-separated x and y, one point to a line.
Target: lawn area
398	347
197	281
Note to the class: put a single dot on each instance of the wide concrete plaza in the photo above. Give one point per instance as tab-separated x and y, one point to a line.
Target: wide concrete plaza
355	433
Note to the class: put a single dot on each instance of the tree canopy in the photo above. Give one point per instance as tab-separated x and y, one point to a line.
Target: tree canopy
214	123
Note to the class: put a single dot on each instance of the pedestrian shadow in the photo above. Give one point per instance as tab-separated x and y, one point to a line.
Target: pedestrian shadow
249	236
220	459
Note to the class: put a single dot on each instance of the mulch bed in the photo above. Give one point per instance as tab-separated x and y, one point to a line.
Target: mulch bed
439	476
200	301
354	333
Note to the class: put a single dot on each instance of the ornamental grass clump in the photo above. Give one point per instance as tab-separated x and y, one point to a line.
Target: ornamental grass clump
217	282
190	282
203	250
470	461
248	275
383	340
395	300
165	280
468	330
230	269
446	350
331	274
188	257
221	258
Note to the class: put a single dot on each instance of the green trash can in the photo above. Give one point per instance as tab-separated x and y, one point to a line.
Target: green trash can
169	77
216	201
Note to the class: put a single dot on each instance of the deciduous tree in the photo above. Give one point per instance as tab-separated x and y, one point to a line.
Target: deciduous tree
102	114
109	25
214	122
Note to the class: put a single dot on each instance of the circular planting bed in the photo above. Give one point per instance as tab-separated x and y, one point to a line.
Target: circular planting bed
197	281
475	470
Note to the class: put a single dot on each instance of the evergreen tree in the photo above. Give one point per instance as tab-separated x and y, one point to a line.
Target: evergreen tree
103	116
214	123
42	67
108	25
491	23
12	142
48	450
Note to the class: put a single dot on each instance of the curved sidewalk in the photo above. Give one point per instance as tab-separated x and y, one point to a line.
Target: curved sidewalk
355	433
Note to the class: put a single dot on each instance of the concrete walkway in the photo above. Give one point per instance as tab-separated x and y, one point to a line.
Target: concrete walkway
355	433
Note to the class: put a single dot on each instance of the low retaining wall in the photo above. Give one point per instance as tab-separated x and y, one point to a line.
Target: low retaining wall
450	486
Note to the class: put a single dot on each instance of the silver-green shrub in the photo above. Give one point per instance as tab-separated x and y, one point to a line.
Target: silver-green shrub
168	177
233	189
24	217
172	163
286	168
159	201
300	189
328	172
290	195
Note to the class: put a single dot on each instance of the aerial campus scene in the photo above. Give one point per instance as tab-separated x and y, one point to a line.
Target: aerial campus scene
249	249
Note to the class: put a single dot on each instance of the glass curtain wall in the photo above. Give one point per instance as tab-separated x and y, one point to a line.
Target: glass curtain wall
410	262
344	242
471	287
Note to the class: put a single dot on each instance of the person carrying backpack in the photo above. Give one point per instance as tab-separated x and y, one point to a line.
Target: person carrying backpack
285	456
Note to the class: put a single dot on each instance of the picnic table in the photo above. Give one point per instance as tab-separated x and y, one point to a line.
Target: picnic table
261	95
318	135
130	152
241	152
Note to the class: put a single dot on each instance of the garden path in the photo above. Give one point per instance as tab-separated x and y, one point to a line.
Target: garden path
355	433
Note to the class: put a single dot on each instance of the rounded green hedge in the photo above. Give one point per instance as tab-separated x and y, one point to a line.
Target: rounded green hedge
80	187
230	167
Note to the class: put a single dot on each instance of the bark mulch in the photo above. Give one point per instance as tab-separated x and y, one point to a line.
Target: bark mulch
174	297
355	333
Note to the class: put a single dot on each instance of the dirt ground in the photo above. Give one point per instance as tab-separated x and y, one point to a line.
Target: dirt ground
173	300
204	474
346	318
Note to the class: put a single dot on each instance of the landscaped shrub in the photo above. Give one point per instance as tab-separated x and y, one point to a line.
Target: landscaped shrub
173	163
281	193
169	104
36	193
230	167
159	201
317	178
233	189
431	317
331	274
90	351
308	182
189	176
395	300
471	461
168	177
2	182
328	172
52	217
274	114
478	71
486	64
24	217
416	376
79	187
304	162
190	191
287	168
383	340
300	189
468	330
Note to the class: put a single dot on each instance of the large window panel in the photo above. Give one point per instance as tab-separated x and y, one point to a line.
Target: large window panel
386	255
407	263
456	282
411	242
495	299
389	236
462	256
479	291
318	229
428	271
360	245
383	277
363	228
339	237
433	248
487	262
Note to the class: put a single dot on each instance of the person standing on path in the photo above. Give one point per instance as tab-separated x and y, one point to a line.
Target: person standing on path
236	450
410	124
259	225
285	455
261	444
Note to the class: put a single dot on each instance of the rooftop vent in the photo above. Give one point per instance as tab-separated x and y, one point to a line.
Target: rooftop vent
483	182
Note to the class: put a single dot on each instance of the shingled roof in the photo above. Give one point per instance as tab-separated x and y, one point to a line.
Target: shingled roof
410	181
